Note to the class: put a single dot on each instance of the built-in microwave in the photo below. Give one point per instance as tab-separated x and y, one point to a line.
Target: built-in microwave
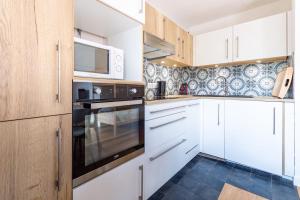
96	60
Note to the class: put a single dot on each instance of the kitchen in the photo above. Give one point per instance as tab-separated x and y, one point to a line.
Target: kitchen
124	100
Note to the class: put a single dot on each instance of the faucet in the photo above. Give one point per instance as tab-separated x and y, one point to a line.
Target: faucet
225	84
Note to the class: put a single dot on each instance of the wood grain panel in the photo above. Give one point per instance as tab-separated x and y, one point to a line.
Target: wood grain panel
154	22
28	165
30	31
230	192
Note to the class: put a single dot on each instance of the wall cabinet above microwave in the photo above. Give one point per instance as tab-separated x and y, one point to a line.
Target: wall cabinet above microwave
134	9
259	39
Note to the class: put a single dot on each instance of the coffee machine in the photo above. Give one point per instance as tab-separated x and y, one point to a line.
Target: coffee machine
161	89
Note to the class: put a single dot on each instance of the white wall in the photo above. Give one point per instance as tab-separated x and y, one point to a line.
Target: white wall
297	91
263	11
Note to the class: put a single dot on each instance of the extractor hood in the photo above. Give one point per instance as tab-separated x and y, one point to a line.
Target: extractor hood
156	48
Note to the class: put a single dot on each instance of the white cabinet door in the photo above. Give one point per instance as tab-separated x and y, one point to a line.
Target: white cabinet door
132	8
213	47
123	182
213	127
253	134
262	38
193	129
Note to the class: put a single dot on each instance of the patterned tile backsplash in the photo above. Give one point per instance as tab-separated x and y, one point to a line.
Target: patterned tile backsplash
248	79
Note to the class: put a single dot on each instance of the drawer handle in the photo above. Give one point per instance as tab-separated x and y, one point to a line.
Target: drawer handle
167	150
58	51
141	168
59	145
196	104
167	109
167	123
192	149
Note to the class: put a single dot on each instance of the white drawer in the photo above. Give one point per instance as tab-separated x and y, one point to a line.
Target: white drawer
163	165
159	132
160	110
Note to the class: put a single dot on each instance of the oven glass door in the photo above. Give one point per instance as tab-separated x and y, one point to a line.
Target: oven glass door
102	135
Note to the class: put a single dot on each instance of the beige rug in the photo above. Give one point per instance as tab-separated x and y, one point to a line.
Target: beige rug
230	192
299	191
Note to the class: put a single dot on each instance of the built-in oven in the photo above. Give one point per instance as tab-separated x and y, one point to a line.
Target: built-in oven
108	127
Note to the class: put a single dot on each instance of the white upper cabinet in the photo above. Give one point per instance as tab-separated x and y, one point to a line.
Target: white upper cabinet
132	8
213	127
259	39
262	38
253	133
213	47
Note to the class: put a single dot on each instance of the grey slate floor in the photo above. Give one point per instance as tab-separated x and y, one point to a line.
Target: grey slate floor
203	179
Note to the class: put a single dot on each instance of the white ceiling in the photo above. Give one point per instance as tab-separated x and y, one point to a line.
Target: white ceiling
188	13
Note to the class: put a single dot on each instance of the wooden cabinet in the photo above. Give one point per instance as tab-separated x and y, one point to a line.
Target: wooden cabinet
154	22
34	156
124	182
262	38
213	127
213	47
132	8
164	28
254	134
36	58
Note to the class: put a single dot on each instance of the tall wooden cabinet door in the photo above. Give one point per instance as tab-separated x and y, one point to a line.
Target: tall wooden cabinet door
154	22
36	72
29	151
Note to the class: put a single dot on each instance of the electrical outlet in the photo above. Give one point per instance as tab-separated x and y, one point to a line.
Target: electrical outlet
152	85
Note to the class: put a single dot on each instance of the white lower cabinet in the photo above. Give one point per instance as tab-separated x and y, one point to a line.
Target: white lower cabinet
193	129
253	134
121	183
213	127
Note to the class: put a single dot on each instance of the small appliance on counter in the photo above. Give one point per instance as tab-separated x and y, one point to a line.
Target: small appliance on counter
108	127
184	89
95	60
161	89
283	82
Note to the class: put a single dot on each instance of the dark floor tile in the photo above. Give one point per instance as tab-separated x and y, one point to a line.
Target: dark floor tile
166	187
221	171
179	193
206	192
282	181
177	177
283	192
262	173
188	183
157	196
244	168
243	182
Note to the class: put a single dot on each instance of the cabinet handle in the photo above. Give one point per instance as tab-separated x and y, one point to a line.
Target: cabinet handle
167	150
178	40
227	50
167	123
142	7
192	149
218	114
58	181
274	121
182	48
58	50
167	109
141	168
196	104
237	46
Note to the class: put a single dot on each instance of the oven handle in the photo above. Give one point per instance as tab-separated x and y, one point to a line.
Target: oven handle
115	104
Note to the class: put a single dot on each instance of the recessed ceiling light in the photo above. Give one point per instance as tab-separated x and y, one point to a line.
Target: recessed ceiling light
258	61
216	65
174	65
162	62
